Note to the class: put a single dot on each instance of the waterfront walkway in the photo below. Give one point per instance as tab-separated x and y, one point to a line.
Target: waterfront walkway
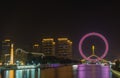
116	73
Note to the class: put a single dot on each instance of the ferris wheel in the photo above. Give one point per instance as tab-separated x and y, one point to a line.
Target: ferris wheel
93	47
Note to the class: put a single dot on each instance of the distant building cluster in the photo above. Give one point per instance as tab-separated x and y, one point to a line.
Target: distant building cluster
60	47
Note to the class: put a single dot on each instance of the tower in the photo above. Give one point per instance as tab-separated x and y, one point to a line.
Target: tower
93	50
12	54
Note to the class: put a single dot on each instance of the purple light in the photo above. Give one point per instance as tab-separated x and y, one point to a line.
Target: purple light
93	34
106	72
81	71
93	71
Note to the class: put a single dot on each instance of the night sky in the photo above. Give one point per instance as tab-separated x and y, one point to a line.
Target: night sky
27	22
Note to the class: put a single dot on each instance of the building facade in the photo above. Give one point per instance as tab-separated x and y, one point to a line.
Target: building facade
48	46
6	48
64	48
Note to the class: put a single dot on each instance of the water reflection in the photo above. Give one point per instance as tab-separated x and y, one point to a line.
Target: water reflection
9	74
33	73
74	71
18	74
25	73
93	71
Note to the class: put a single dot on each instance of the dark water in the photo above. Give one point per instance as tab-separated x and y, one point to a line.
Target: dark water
74	71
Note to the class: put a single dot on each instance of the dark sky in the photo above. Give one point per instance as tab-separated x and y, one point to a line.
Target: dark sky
26	22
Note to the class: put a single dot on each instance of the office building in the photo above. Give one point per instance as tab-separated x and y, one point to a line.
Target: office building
64	48
48	46
6	48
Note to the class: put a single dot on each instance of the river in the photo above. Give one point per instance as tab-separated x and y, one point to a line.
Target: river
70	71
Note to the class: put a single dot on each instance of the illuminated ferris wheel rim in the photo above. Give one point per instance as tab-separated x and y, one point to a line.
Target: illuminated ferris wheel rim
93	34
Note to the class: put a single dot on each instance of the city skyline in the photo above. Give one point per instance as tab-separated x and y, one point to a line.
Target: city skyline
86	46
26	22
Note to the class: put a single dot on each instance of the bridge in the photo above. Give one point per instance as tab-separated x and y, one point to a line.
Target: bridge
19	50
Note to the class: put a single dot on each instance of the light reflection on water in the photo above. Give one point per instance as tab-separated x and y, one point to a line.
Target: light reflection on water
35	73
93	71
25	73
9	74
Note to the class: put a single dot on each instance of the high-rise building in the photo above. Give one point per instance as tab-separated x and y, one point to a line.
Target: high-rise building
64	48
48	46
6	47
